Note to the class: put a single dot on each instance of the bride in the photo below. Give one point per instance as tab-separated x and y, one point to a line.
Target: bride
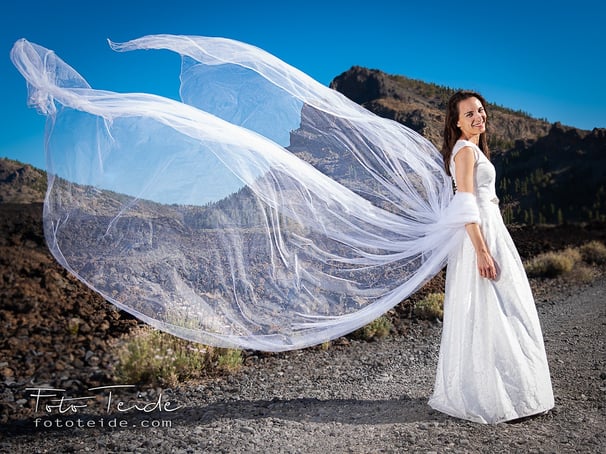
492	364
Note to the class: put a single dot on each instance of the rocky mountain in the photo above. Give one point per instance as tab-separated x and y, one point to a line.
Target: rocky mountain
548	173
21	183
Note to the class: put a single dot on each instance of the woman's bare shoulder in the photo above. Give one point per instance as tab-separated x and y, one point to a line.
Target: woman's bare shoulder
465	152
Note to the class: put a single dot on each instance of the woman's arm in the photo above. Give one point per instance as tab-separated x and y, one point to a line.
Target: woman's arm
464	166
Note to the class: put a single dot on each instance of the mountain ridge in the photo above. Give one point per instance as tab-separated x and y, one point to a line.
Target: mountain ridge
546	172
539	172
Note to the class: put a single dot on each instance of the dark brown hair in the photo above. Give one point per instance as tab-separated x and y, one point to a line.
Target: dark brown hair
452	132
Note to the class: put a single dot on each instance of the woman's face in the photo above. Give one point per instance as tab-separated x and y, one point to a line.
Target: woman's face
472	118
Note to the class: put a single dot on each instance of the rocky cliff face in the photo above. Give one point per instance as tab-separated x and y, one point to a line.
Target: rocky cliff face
548	173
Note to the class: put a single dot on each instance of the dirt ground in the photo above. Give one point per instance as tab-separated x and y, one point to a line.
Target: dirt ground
54	332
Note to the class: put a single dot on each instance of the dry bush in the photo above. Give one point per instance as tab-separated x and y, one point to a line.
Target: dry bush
150	356
594	252
581	273
552	264
568	262
430	307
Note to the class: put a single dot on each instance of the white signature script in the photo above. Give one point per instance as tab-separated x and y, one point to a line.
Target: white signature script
54	399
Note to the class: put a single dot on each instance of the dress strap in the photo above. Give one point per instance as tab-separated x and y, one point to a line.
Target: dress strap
462	144
456	148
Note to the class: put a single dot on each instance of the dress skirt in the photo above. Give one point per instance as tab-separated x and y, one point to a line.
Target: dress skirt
492	365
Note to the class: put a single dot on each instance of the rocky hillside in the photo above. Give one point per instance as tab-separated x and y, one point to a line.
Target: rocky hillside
53	329
421	106
557	178
21	183
548	173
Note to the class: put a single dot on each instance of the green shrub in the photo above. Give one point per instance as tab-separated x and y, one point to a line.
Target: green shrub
229	359
430	307
594	252
150	356
73	326
376	329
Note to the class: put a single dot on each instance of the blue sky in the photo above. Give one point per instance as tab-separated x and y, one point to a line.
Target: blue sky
545	58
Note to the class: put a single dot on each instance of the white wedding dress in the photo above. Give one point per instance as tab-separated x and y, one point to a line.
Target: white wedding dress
492	365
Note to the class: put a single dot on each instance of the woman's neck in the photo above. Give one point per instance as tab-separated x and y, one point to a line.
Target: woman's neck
475	139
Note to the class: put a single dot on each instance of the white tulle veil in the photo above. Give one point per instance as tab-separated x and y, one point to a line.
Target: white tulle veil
263	211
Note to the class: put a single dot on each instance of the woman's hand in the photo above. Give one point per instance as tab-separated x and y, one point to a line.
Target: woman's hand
486	265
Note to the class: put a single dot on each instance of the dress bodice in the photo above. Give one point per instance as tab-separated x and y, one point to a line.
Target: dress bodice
484	172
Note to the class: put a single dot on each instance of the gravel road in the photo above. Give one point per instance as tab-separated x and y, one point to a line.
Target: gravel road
353	397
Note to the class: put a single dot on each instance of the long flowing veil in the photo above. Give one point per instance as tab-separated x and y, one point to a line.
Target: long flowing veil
263	211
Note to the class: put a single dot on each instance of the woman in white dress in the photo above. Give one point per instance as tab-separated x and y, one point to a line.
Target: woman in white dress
492	365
